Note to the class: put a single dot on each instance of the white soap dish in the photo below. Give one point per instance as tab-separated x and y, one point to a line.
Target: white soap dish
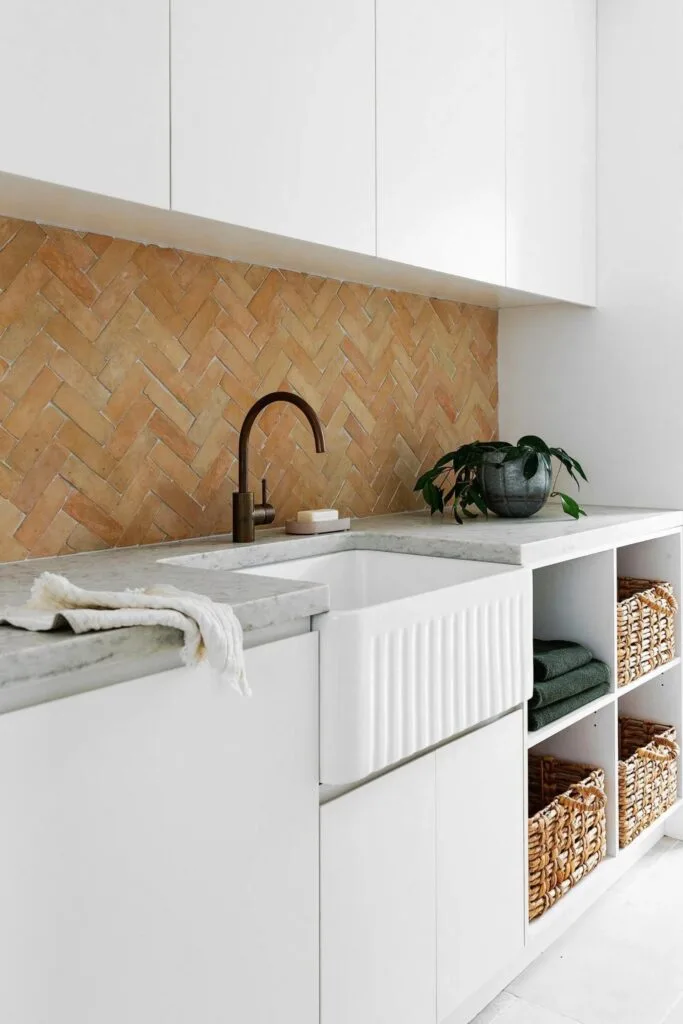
324	526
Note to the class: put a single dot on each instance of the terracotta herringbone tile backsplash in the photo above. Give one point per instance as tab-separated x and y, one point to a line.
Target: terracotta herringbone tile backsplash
126	371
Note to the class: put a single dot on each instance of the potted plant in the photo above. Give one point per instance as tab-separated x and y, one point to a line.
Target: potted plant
512	480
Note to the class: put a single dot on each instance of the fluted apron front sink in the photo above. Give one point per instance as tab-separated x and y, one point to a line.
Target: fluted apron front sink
413	650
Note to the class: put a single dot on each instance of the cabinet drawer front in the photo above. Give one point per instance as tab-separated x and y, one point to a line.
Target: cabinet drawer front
480	826
377	901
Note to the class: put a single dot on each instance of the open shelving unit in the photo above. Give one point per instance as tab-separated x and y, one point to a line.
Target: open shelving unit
576	599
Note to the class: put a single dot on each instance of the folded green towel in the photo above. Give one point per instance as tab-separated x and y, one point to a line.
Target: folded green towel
555	657
569	684
538	717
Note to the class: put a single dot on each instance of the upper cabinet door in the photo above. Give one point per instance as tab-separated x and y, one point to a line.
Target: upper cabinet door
86	85
441	135
551	154
274	117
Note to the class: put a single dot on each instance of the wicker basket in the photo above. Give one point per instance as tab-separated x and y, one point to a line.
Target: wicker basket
646	611
648	775
567	827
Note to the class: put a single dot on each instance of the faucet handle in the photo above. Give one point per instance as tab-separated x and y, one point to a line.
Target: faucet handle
264	513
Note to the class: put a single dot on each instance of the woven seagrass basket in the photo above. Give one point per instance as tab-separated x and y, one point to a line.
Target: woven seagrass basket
646	627
648	775
567	827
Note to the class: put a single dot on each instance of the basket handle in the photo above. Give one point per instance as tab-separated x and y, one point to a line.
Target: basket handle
585	796
669	753
666	602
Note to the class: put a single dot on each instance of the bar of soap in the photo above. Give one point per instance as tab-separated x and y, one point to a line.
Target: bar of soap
317	515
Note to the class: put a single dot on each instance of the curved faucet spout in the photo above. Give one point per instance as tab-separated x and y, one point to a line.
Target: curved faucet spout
258	407
245	514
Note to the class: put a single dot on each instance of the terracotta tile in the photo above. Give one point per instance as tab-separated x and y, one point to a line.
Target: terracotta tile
19	251
89	483
139	527
63	267
75	343
128	466
85	511
35	440
77	408
43	512
173	525
175	498
89	451
24	370
83	539
72	308
36	396
130	389
130	426
46	467
169	405
117	291
72	244
30	279
54	538
174	468
112	260
71	371
177	441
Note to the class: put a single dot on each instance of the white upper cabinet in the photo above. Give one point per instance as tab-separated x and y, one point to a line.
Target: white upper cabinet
441	135
551	151
86	95
274	116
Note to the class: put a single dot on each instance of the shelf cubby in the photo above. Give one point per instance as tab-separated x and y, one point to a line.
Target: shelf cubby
656	559
576	600
592	740
660	700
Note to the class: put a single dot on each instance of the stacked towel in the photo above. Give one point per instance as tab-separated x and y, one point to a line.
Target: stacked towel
566	676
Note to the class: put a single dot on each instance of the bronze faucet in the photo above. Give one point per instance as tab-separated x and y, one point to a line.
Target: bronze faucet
245	514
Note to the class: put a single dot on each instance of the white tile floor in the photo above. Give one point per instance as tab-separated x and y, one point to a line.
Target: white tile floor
622	963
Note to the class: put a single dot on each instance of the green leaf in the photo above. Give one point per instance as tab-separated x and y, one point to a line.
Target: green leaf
537	444
530	466
433	495
570	505
477	499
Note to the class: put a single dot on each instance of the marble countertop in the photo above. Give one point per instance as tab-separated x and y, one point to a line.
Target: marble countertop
34	667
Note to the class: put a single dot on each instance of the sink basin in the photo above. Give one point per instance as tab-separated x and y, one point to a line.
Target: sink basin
413	650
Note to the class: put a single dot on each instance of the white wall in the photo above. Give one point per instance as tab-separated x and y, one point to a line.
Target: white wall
607	384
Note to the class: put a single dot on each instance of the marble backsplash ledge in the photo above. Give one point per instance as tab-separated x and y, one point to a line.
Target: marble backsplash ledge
126	371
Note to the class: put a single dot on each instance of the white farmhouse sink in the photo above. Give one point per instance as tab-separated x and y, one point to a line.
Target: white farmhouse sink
413	650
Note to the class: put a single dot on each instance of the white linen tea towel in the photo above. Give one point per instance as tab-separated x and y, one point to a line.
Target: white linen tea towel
212	631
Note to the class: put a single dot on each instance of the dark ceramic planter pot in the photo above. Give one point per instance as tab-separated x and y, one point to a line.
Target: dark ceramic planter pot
506	490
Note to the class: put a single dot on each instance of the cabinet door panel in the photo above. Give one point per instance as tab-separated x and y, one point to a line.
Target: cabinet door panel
273	116
160	851
480	851
89	92
441	135
377	901
551	154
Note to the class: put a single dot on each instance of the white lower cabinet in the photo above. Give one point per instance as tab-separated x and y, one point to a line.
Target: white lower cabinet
378	893
422	882
480	872
159	860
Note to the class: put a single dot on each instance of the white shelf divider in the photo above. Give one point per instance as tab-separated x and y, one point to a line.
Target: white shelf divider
533	739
